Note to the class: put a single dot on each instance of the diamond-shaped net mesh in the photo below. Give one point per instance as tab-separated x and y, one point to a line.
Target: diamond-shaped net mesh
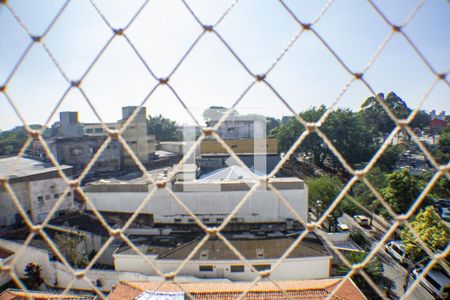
261	78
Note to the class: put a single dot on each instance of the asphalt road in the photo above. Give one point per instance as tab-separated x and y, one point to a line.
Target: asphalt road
392	270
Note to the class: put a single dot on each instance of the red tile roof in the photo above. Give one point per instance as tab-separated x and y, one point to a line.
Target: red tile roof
20	295
296	289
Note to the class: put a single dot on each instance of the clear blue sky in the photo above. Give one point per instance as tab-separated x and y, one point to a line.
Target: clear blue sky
258	30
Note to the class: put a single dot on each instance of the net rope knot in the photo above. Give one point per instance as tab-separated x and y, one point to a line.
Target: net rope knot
208	28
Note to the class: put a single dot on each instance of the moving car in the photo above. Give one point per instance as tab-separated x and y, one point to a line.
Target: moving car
362	220
342	227
396	249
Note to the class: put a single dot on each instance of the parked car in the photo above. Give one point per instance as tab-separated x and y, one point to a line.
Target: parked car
362	220
396	249
443	203
446	216
342	227
435	281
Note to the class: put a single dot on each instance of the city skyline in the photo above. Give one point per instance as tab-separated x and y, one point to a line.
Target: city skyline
308	75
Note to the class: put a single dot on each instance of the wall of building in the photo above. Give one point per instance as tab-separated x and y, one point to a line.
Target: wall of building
56	274
262	206
289	269
28	255
238	129
241	146
69	125
175	147
96	129
37	197
44	195
140	141
9	214
78	152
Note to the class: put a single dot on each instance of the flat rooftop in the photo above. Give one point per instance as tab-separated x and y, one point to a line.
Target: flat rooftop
215	249
16	167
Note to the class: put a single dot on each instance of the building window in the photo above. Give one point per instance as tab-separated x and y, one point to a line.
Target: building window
259	253
234	220
89	130
207	268
205	220
40	199
56	196
98	130
261	267
191	220
233	146
47	197
177	220
219	220
237	269
132	142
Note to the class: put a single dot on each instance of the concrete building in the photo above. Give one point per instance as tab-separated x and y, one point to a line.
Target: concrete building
140	141
214	259
240	127
211	198
76	143
68	125
36	185
243	134
79	151
243	146
296	290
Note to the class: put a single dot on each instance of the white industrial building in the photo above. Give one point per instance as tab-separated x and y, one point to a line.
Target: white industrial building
211	198
37	186
309	260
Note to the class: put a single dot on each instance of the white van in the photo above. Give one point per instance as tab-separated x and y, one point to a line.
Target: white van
396	249
435	282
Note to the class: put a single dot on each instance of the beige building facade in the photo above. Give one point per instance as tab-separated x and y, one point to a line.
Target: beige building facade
36	185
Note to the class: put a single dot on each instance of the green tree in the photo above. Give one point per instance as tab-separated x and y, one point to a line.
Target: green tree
377	118
421	120
33	278
374	270
402	190
442	150
69	245
350	136
321	193
291	129
11	141
431	230
163	129
390	157
271	125
362	194
344	128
